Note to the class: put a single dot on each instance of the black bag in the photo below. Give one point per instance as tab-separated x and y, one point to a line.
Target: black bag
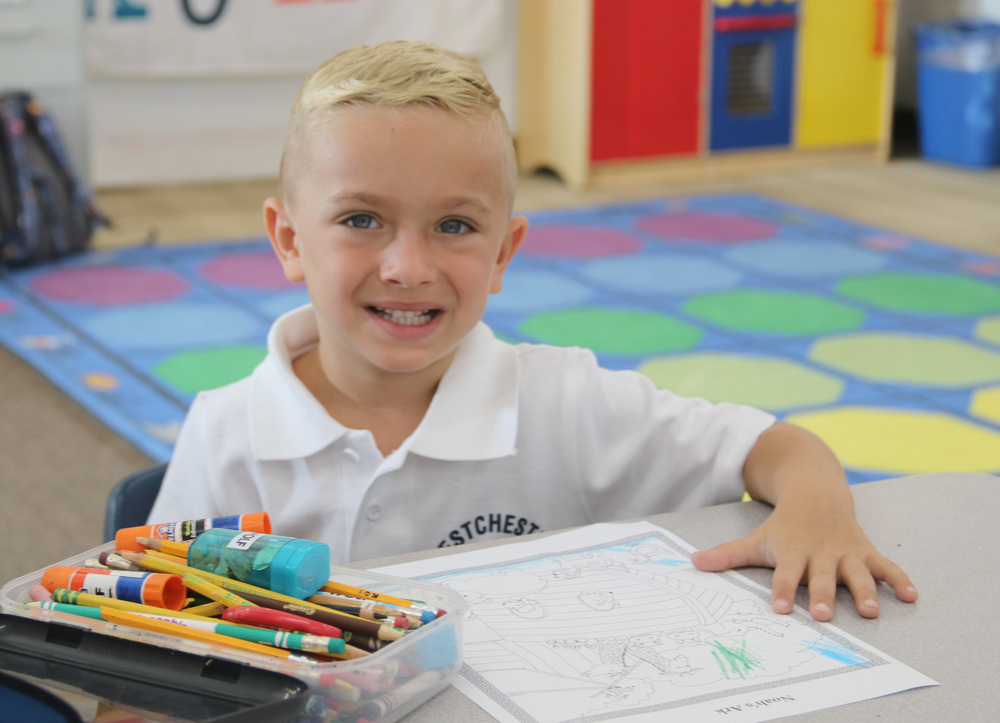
45	213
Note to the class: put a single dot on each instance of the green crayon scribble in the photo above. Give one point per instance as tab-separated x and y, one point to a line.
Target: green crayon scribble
736	660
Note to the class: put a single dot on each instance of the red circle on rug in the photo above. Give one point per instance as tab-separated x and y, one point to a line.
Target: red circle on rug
110	285
256	269
579	242
708	227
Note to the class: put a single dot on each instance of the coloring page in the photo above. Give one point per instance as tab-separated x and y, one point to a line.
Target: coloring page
612	622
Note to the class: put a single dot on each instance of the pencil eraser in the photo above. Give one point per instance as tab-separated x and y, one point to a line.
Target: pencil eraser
39	593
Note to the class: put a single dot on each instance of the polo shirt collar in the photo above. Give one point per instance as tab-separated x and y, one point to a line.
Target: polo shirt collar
473	415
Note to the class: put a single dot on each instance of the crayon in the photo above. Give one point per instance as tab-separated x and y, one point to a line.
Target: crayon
187	530
340	689
157	589
213	592
269	599
120	617
401	695
266	617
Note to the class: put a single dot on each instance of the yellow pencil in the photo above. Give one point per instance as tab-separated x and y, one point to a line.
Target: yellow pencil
157	563
120	617
209	610
72	597
178	549
213	591
340	588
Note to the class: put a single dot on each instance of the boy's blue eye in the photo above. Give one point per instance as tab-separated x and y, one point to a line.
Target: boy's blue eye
361	221
454	225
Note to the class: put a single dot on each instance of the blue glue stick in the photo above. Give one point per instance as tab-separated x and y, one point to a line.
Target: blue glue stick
287	565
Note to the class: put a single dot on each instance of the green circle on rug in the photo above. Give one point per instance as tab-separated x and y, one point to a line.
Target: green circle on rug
630	333
195	371
932	361
927	293
775	312
769	383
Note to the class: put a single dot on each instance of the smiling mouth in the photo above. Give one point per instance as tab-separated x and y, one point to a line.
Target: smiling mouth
406	318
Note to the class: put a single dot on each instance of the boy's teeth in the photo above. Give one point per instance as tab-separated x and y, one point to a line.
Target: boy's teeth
406	318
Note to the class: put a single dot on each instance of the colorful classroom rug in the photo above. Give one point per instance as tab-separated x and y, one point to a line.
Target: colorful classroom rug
888	347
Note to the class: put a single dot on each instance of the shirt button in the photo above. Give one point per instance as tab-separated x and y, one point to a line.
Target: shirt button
374	512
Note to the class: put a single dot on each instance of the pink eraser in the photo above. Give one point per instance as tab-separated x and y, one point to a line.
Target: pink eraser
39	594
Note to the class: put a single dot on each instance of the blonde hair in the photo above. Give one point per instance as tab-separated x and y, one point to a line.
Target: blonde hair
398	74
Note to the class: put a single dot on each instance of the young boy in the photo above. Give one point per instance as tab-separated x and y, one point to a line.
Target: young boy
387	418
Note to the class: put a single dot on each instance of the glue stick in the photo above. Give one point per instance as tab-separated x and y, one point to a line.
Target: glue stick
187	530
287	565
149	588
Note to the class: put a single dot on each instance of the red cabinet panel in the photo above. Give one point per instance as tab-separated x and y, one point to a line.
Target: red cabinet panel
647	59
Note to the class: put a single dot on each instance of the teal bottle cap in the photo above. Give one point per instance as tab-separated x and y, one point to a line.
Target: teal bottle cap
300	568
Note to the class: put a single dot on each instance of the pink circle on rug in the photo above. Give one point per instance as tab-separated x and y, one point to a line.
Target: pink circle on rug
110	285
256	269
7	306
708	227
579	242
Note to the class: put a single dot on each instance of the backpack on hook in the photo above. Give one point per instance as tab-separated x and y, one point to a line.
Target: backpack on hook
45	212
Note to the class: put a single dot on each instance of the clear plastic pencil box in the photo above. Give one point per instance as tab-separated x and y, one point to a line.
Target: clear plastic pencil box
384	686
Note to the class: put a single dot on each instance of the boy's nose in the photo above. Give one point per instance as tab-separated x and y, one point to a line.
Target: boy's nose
406	261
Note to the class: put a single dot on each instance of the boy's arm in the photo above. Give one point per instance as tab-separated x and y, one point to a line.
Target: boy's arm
812	535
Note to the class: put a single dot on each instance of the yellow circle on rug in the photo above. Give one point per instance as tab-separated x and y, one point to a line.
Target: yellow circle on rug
771	383
988	329
986	404
900	442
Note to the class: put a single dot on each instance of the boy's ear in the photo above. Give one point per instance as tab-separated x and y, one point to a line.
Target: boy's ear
281	232
516	230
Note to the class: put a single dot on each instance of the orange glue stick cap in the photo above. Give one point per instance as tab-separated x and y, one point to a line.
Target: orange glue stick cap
187	530
148	588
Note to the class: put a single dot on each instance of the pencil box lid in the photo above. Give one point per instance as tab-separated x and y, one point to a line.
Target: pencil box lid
146	678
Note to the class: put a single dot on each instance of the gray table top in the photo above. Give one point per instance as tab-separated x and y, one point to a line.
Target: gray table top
941	528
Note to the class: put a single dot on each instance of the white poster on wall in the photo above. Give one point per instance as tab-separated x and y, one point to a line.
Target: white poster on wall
225	38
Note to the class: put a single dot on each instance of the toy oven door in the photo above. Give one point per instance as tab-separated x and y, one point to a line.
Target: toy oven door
753	60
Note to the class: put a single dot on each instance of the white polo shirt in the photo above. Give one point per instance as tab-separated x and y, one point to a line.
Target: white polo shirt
517	439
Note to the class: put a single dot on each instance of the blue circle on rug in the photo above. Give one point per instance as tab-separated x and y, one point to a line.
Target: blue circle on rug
282	303
173	325
805	257
676	275
533	290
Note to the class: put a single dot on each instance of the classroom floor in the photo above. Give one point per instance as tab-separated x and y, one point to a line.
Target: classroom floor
58	463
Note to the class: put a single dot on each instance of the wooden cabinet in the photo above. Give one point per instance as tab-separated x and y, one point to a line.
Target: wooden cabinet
620	91
646	73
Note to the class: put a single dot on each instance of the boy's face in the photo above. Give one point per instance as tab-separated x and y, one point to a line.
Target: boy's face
398	222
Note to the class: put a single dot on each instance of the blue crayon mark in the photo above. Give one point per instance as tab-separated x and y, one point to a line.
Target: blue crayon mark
670	562
838	652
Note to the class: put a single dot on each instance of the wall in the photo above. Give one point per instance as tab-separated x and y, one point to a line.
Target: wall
130	132
40	50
